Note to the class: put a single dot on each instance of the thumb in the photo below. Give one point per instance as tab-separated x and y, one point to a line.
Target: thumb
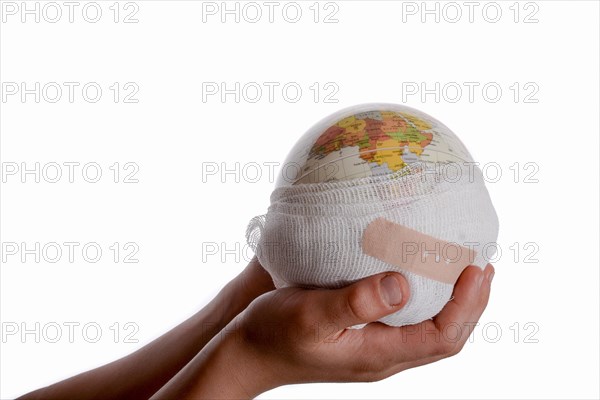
364	301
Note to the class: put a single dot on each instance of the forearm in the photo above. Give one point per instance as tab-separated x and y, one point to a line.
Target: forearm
226	368
143	372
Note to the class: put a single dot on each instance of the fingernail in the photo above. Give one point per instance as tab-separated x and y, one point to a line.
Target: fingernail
391	290
491	276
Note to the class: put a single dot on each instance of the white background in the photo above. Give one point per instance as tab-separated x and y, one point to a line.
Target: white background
373	52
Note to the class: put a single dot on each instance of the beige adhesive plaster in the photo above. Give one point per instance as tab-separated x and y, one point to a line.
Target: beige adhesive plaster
416	252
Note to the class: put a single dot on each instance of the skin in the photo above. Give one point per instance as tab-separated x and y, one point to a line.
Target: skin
261	338
140	374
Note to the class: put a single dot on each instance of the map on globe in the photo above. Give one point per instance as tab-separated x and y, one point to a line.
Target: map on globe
374	143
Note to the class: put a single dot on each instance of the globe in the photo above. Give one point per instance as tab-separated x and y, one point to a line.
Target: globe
368	140
355	198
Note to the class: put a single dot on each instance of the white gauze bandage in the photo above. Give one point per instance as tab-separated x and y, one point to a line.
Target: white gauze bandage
405	196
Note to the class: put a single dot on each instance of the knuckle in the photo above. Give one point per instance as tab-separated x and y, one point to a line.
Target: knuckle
357	304
296	309
446	348
301	314
453	349
372	377
457	349
371	370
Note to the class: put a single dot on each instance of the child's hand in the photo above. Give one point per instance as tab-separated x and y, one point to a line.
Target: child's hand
296	335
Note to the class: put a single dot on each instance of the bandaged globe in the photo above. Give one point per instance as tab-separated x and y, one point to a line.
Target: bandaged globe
373	188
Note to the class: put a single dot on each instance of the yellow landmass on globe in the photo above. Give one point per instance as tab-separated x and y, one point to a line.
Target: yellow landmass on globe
389	153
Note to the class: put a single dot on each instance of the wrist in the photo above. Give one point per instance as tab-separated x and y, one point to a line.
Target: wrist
229	302
252	282
231	369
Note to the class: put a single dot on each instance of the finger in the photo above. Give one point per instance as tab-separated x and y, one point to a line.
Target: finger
466	298
488	272
471	296
442	336
477	306
362	302
416	361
